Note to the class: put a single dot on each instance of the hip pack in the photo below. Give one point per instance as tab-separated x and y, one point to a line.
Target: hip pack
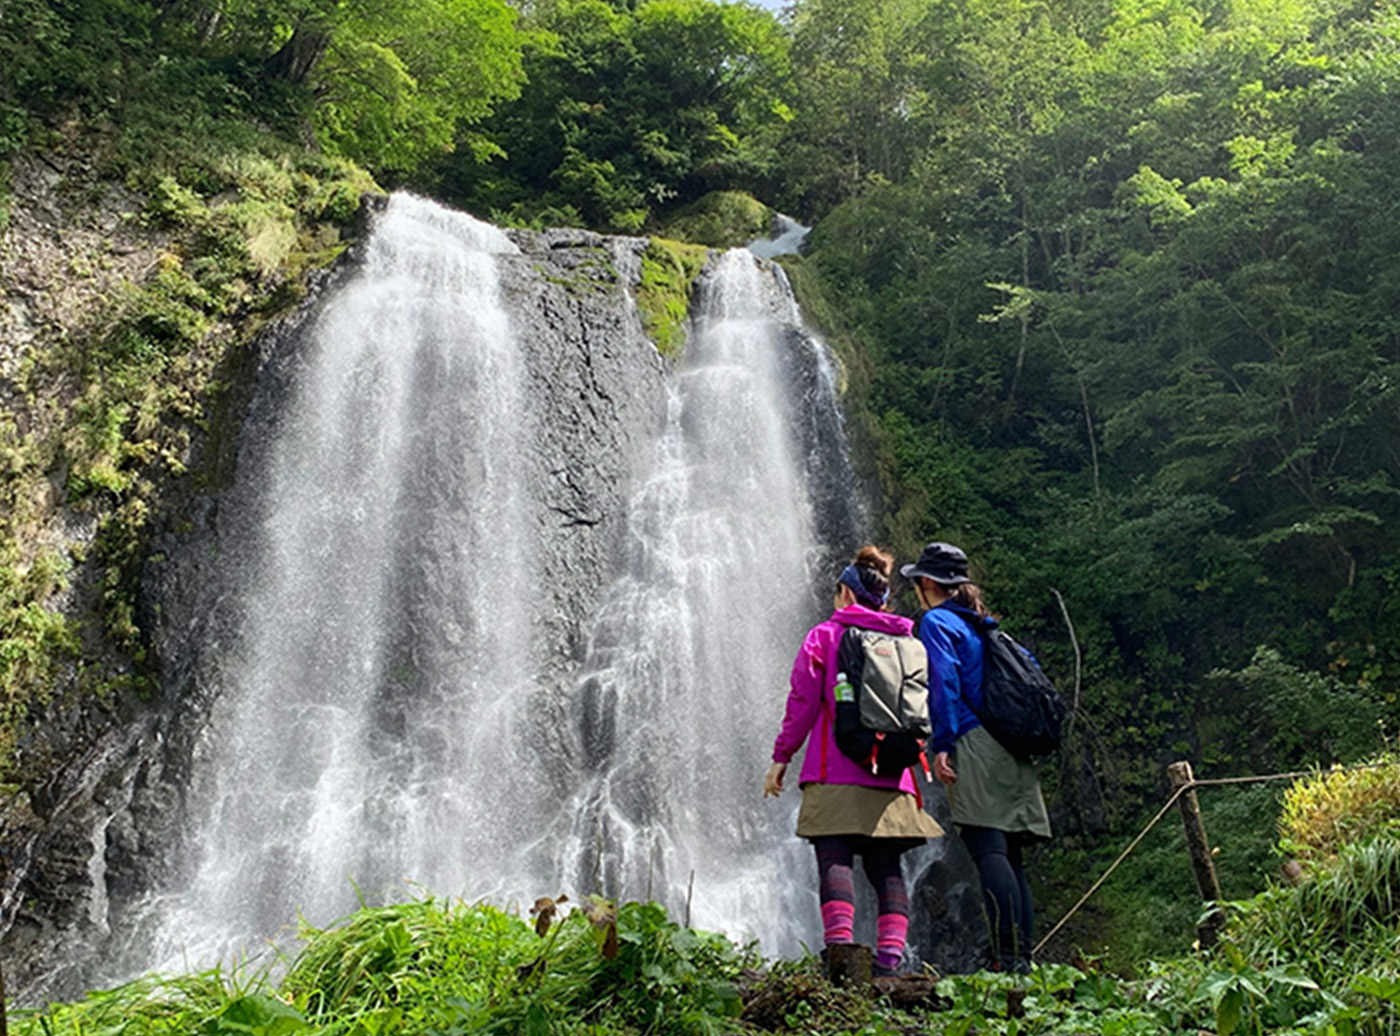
881	697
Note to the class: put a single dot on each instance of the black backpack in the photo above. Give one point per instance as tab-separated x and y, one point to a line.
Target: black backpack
1020	706
882	716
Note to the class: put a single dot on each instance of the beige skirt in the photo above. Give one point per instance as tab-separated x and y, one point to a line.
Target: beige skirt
850	809
994	788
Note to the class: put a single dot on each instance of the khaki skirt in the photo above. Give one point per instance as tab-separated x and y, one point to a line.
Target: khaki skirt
850	809
994	788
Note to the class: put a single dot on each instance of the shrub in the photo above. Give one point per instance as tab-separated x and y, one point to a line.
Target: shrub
721	219
1322	814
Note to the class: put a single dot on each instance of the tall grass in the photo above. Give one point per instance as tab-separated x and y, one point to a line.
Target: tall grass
1318	956
444	967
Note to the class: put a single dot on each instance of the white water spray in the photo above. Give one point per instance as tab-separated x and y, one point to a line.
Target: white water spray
694	640
363	740
379	734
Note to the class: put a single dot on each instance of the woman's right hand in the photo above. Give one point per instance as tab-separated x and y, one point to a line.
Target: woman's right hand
773	780
943	769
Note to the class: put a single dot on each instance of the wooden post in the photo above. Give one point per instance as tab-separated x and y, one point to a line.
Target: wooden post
1208	931
849	964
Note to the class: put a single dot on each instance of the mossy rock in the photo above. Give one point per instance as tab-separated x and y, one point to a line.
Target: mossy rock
116	407
721	219
669	269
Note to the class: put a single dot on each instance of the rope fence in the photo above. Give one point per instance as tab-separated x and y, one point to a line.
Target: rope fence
1181	790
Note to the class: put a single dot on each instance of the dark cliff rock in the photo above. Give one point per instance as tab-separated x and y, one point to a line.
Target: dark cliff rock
108	827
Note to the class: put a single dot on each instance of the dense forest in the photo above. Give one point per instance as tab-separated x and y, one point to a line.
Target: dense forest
1115	284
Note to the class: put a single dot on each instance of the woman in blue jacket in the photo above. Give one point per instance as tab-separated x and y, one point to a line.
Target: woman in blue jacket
994	797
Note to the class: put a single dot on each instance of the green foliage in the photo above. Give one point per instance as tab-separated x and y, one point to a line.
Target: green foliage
669	269
393	87
1337	919
212	1003
1149	907
1132	338
35	641
652	976
1308	959
720	219
629	110
1300	714
859	71
399	84
371	969
1332	927
432	966
1341	807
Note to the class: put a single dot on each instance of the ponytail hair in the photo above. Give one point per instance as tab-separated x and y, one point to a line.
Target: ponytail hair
969	596
868	576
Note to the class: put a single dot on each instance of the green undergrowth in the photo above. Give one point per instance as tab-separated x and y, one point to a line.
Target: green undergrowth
449	968
1149	906
669	270
1315	955
1260	834
1341	808
115	405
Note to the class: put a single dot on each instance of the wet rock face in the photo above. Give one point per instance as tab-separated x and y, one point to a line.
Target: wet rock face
947	919
596	397
111	827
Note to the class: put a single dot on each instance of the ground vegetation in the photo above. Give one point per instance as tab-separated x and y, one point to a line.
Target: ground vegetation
1310	956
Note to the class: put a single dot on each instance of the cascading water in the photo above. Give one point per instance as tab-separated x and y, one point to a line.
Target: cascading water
786	239
384	724
693	640
367	732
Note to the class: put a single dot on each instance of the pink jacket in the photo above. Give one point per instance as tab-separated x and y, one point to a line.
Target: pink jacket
810	703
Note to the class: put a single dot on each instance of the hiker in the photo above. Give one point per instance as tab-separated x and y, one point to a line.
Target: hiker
994	797
848	811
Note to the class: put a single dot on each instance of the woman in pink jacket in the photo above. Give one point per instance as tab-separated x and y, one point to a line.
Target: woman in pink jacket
847	811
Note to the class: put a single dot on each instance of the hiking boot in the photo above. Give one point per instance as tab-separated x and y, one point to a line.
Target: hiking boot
1016	966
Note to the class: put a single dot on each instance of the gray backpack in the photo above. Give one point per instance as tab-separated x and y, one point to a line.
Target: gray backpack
882	719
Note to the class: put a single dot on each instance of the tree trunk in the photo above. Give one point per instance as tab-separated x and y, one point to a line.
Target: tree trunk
207	23
299	55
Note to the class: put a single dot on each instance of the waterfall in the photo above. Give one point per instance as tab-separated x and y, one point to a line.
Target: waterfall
786	239
379	730
395	540
693	641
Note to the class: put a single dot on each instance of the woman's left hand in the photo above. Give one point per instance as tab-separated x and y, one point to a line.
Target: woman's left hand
943	769
773	780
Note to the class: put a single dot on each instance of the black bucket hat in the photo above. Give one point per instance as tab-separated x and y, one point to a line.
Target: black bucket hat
941	562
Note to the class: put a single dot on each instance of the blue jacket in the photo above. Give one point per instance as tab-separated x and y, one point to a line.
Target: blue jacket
954	673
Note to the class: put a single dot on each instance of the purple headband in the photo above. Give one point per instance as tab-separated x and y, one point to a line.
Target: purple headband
850	576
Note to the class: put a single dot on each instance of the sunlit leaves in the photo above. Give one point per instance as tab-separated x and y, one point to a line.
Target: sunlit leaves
630	110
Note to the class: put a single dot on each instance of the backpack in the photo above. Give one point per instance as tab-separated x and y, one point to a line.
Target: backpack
882	716
1021	707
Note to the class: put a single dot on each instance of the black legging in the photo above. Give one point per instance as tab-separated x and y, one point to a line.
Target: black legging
1010	912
